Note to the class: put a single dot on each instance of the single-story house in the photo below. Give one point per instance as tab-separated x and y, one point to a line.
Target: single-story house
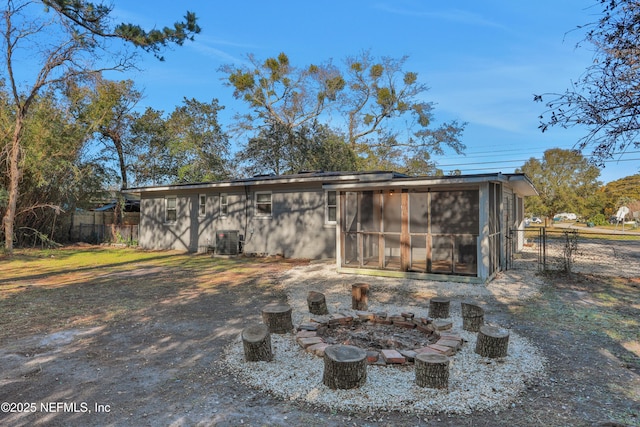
382	223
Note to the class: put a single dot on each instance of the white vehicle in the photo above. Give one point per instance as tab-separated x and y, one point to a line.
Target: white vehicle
567	216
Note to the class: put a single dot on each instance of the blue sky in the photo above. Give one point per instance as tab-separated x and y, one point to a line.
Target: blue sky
483	60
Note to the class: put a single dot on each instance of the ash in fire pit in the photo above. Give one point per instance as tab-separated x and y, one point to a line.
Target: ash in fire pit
395	339
376	337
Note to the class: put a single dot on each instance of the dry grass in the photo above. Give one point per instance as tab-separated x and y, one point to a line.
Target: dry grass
43	291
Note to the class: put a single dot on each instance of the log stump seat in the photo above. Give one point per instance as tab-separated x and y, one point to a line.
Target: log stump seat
432	370
277	317
360	296
439	308
472	316
256	341
317	303
492	342
345	367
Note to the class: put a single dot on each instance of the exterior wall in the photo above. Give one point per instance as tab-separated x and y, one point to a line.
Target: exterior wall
295	229
157	233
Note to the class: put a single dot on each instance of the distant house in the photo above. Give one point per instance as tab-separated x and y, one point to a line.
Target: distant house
382	223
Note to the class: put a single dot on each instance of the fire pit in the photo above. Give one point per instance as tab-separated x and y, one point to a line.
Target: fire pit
394	339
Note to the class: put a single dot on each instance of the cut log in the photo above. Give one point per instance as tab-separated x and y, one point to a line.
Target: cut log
345	367
432	370
492	342
439	308
317	303
359	296
277	317
256	341
472	316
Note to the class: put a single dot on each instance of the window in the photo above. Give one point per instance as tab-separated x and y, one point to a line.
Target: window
263	204
202	205
171	214
224	205
331	207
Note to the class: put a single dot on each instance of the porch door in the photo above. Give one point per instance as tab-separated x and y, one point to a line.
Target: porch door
495	227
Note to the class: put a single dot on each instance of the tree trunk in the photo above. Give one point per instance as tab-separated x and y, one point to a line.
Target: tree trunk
256	341
472	316
345	367
317	303
277	317
13	155
492	342
439	308
360	296
432	370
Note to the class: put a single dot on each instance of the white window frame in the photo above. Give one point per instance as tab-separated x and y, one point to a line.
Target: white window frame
224	207
167	209
202	205
257	212
328	221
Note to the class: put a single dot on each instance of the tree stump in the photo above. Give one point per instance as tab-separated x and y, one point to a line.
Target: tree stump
277	316
472	316
359	296
345	367
439	308
317	303
256	341
492	342
432	370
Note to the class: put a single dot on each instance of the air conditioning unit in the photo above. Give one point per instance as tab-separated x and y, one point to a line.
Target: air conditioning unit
227	242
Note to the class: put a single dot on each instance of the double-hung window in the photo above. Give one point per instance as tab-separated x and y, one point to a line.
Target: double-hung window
263	205
331	206
224	204
202	205
171	212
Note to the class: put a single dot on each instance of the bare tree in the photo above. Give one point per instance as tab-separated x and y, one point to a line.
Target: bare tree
606	98
67	40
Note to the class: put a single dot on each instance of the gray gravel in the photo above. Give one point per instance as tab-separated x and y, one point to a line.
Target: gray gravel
475	383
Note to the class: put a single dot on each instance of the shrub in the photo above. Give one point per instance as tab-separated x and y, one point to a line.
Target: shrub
598	219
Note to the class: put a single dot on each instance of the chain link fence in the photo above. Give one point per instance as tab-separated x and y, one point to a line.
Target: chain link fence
578	250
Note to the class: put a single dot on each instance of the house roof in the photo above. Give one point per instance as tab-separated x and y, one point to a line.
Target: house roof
352	180
301	177
519	181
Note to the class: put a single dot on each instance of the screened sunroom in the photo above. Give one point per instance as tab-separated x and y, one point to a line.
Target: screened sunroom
429	227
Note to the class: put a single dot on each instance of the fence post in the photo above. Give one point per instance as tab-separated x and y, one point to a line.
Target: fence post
543	247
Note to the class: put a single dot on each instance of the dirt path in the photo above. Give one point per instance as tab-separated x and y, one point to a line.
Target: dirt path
160	366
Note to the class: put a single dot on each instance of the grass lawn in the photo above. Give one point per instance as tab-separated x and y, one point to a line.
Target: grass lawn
45	290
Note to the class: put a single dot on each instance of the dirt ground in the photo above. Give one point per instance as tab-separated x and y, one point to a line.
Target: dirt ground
156	361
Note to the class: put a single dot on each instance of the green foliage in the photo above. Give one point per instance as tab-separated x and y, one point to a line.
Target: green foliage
566	182
187	146
4	197
376	97
55	178
94	18
106	110
624	191
277	150
598	219
69	40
